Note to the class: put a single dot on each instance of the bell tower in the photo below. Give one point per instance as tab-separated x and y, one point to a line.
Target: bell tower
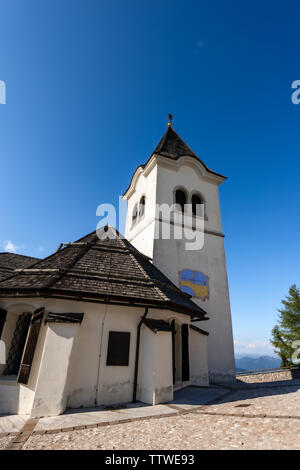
175	175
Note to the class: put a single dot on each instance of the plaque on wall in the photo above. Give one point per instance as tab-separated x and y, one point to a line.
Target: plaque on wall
194	283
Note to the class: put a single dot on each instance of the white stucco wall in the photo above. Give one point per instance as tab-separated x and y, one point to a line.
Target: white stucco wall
92	381
146	374
171	256
50	390
145	186
15	398
198	359
155	383
69	367
163	368
188	177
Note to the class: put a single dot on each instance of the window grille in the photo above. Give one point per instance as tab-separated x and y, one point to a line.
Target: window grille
17	344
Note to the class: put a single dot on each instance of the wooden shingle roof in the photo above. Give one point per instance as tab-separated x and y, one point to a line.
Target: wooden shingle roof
104	270
172	146
10	261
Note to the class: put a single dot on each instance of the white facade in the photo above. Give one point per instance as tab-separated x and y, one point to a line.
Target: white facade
69	367
158	181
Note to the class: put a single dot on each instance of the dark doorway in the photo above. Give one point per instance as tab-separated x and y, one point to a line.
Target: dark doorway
185	353
173	350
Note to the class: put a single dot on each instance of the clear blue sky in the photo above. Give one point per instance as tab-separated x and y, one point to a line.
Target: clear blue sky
89	86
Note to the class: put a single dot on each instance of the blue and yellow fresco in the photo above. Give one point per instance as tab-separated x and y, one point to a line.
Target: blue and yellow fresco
194	283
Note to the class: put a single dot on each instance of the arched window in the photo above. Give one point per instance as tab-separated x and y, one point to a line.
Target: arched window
134	214
180	198
197	208
142	206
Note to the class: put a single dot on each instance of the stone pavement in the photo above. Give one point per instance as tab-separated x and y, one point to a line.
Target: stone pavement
192	431
12	423
186	399
277	402
239	417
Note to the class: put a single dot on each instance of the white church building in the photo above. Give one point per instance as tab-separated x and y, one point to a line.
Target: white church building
109	320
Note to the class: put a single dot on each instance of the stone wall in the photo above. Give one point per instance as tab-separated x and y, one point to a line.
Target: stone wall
274	376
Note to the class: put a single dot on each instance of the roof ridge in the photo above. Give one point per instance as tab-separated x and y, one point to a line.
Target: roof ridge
17	254
69	266
157	288
143	271
162	141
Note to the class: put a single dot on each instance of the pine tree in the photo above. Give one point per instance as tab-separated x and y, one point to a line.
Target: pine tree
288	328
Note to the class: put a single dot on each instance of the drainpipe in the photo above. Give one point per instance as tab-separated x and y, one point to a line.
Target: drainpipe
137	353
100	355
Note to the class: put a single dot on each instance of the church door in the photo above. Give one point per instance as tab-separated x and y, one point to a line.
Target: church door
173	351
185	352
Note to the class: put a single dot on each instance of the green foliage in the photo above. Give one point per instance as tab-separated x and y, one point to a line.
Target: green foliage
287	329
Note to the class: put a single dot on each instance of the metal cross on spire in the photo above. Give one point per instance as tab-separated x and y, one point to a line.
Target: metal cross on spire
170	120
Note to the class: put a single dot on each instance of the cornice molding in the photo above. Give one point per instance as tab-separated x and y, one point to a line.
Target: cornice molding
167	162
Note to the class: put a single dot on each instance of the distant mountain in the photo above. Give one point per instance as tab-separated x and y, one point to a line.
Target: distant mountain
256	363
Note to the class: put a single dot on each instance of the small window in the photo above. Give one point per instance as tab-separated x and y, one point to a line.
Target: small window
197	208
142	206
134	214
118	348
180	199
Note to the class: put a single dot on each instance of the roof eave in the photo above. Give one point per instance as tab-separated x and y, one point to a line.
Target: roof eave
147	167
102	298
